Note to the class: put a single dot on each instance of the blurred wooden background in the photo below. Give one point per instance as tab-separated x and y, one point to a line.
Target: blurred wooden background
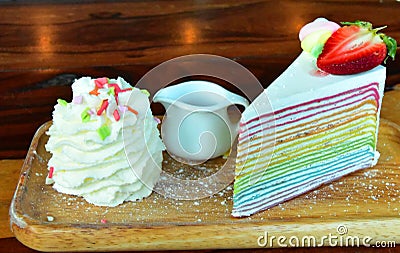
45	45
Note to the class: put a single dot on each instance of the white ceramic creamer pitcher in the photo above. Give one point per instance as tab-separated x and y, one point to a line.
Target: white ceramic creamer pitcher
198	125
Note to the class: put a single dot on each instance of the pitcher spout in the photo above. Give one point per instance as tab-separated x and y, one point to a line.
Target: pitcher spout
201	95
164	97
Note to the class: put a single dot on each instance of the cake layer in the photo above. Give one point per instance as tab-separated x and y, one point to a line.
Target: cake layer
299	146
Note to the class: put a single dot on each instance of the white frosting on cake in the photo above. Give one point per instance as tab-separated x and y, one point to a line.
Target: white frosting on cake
302	81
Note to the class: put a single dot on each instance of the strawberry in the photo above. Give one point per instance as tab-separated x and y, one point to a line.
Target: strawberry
354	48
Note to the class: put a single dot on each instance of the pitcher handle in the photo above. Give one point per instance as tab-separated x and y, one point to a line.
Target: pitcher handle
237	99
235	116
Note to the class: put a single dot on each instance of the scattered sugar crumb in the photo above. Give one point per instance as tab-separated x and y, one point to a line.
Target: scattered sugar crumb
373	197
49	181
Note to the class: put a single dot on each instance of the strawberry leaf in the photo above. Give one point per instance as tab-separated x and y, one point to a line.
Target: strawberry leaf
359	23
391	45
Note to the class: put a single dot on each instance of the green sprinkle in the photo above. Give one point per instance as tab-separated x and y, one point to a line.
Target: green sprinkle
62	102
85	116
103	132
111	91
146	92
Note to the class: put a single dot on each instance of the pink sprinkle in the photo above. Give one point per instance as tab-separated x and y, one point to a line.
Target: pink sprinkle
157	120
100	82
92	112
104	221
116	99
116	115
77	100
117	89
127	89
51	171
103	107
122	108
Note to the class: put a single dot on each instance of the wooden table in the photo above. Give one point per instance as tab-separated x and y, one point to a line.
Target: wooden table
45	45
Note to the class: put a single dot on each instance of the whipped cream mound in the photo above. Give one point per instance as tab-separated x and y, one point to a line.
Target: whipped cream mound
105	144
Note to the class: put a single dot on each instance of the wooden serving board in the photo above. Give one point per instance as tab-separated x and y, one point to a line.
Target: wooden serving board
365	204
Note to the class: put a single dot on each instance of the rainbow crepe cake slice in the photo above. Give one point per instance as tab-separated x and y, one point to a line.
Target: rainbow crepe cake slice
322	126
